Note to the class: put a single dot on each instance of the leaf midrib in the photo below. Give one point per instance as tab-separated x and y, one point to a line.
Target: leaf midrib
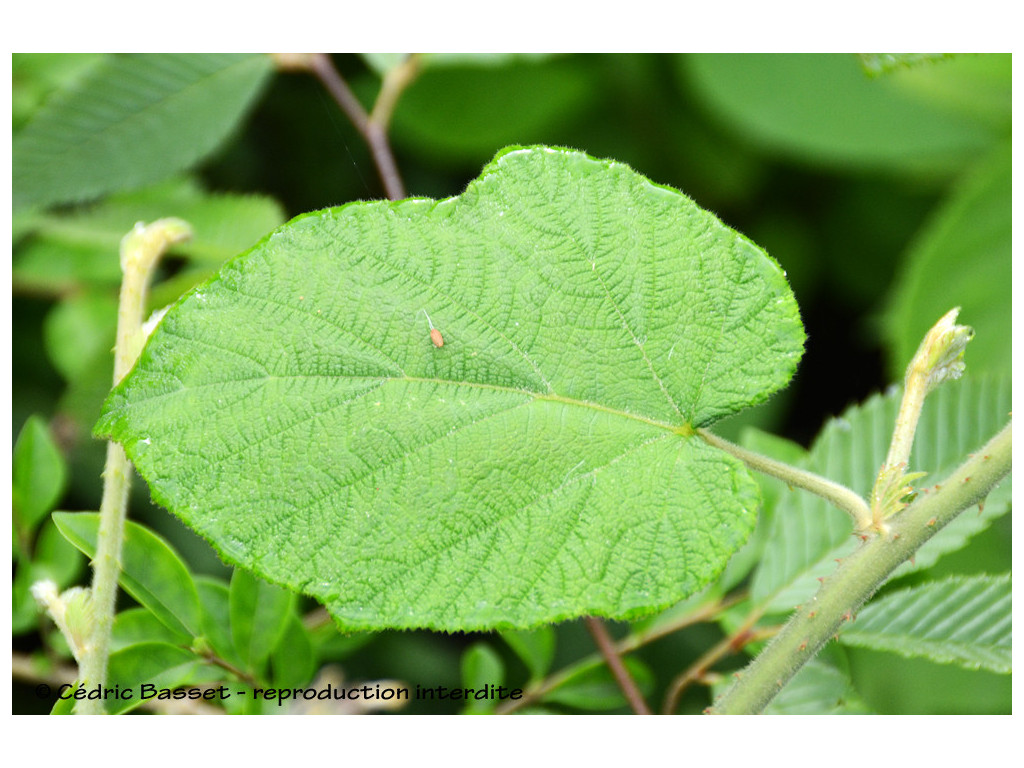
684	429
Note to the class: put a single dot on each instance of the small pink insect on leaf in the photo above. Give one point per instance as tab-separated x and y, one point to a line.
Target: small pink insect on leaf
435	335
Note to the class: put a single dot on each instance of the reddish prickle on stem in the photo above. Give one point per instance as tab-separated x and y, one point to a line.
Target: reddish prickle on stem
741	640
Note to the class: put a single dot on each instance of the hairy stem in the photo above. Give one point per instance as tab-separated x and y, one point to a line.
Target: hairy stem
734	643
938	359
839	495
610	653
140	250
861	574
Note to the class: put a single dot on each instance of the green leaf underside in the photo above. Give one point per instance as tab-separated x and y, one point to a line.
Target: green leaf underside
964	621
540	465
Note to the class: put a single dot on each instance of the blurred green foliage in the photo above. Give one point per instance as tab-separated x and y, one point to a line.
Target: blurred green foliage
880	183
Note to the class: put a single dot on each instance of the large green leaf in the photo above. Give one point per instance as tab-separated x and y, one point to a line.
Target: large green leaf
965	621
132	120
541	464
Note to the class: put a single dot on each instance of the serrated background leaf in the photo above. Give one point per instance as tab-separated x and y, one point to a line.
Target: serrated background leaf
808	534
132	120
537	466
964	620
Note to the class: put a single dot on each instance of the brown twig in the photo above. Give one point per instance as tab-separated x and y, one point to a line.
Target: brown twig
629	643
372	126
610	653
